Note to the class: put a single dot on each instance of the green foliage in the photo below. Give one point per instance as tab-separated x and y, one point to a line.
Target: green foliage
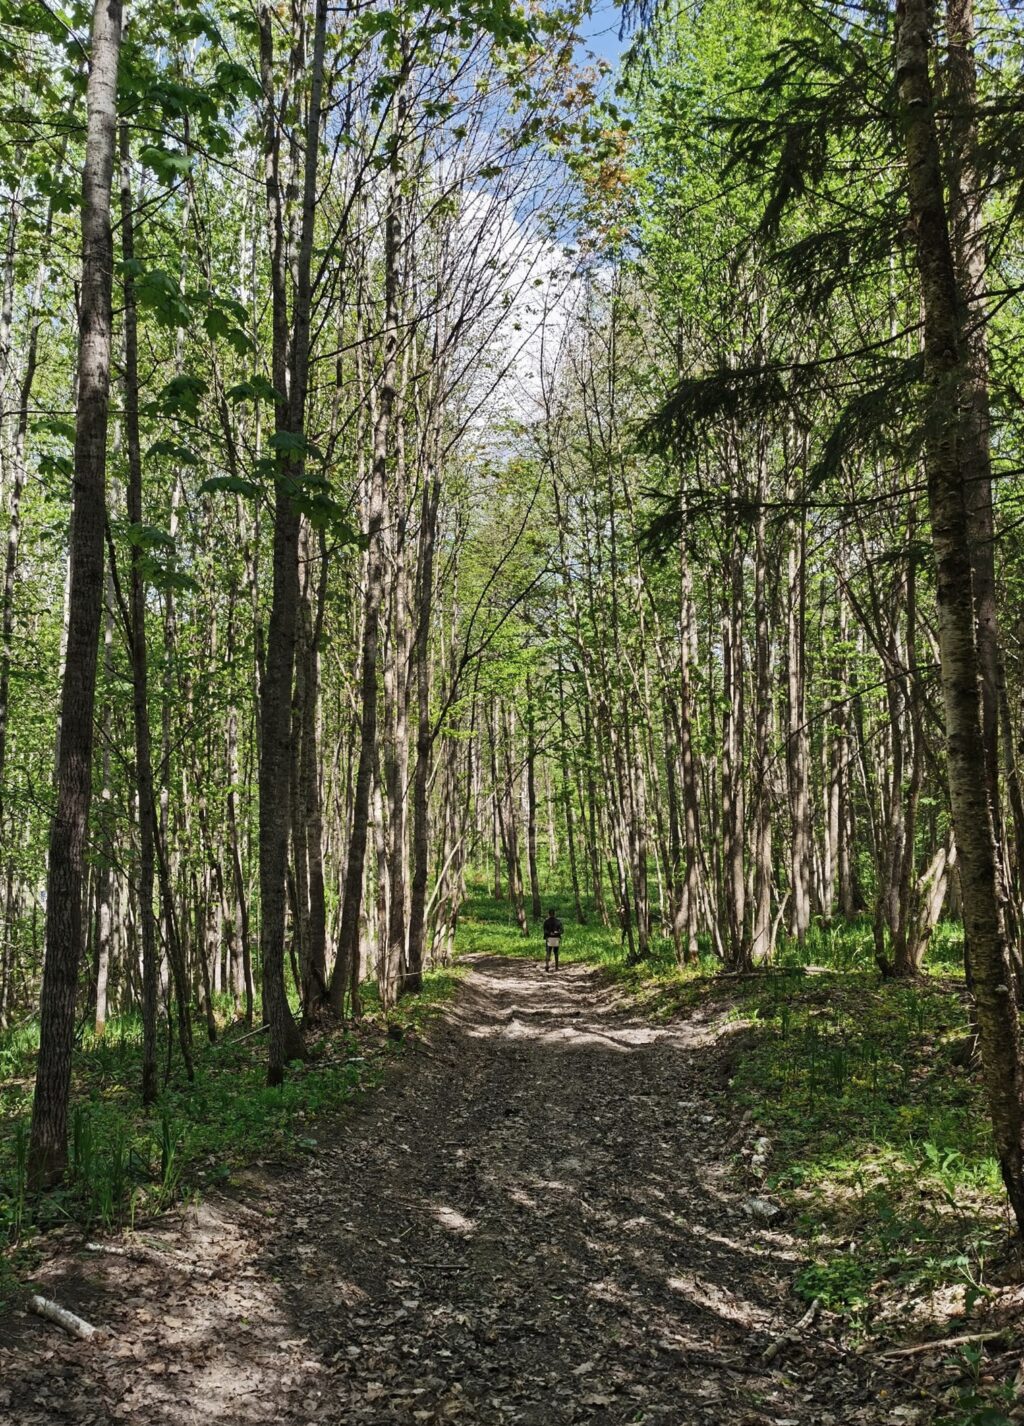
879	1136
159	296
233	484
125	1160
841	1284
181	396
174	451
257	388
981	1402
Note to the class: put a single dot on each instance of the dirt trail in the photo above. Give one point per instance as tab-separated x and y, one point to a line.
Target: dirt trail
533	1221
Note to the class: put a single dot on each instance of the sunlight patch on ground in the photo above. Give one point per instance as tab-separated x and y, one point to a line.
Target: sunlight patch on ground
716	1299
776	1249
568	1037
452	1219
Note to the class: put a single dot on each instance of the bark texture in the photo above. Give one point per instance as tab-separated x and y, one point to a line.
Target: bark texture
66	874
988	949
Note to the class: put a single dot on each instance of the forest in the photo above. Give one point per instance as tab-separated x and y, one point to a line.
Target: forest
467	462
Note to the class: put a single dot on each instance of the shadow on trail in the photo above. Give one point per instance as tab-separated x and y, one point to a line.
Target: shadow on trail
532	1221
540	1229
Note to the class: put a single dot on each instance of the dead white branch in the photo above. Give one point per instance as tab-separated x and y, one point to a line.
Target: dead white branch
138	1253
788	1338
944	1342
53	1312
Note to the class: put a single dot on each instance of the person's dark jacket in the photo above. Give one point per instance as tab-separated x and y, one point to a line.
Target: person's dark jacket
552	927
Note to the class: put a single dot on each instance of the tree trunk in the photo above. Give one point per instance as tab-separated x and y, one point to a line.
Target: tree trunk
346	969
531	804
566	784
103	870
424	736
999	1030
733	818
291	374
796	741
397	676
763	926
690	797
312	614
137	613
66	873
969	264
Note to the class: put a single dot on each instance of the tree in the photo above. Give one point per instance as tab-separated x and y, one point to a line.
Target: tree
947	374
291	376
66	872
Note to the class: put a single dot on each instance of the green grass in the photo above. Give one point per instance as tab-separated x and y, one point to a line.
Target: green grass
849	946
881	1146
489	926
127	1162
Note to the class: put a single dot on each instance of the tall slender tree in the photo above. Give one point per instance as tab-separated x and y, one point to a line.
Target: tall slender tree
66	873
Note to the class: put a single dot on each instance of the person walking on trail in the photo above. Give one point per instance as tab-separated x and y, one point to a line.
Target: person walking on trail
552	939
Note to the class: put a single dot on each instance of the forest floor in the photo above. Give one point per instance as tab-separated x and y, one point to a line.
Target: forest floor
536	1218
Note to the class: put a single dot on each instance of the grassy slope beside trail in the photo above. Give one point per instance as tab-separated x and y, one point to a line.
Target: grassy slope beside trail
128	1162
879	1152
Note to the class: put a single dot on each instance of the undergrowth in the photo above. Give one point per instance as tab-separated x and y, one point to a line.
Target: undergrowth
880	1138
128	1162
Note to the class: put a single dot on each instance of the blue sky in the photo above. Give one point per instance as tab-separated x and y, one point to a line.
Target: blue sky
601	30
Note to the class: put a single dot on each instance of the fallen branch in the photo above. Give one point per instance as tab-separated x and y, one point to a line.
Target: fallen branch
764	973
260	1029
943	1342
338	1064
138	1253
53	1312
788	1338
